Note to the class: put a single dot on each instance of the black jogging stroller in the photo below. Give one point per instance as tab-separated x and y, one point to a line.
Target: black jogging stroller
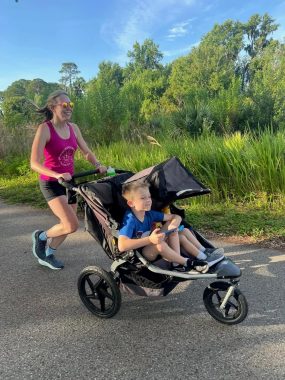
100	290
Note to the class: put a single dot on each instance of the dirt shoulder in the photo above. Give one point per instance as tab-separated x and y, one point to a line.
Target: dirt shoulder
272	243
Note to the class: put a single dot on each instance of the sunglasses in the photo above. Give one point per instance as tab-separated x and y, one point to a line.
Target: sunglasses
66	104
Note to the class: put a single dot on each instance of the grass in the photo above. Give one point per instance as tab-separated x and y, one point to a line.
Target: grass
245	172
239	220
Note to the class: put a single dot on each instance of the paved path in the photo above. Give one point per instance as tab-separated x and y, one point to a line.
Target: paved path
47	333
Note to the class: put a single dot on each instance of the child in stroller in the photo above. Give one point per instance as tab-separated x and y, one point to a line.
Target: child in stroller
139	230
100	290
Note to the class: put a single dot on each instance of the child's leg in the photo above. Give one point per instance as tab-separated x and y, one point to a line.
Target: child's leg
192	238
190	248
202	250
153	250
172	239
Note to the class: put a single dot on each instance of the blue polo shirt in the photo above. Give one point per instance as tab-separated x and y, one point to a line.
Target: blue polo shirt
135	229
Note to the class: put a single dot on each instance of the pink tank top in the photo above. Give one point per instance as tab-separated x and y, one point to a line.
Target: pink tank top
59	153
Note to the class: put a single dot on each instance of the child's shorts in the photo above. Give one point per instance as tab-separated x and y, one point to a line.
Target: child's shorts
52	189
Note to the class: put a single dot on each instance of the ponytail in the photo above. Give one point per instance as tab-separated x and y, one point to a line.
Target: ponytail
45	111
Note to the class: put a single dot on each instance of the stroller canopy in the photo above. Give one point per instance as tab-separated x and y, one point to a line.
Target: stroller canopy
170	181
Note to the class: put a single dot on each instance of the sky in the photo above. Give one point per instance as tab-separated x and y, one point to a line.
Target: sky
37	36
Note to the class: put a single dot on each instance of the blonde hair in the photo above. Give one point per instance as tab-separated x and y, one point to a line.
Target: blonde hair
51	101
132	187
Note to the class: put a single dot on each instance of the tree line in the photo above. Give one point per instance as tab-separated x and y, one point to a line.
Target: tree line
234	80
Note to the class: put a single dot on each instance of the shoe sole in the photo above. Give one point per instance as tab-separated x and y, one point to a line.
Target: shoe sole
34	244
44	263
193	271
210	264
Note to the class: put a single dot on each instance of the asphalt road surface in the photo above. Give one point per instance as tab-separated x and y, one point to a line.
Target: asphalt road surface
47	333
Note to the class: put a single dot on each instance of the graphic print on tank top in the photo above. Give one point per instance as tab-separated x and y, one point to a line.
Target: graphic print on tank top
66	156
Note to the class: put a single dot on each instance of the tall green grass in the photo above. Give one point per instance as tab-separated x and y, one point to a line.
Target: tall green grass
242	167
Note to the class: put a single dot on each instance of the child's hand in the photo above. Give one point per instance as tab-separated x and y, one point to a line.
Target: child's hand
156	236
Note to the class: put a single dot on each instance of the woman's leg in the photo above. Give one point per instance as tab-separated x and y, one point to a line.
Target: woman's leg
68	221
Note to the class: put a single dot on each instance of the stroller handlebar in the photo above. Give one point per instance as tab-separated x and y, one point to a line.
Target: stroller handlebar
95	171
86	173
71	186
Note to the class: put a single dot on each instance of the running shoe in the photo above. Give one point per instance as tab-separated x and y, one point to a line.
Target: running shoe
51	262
39	246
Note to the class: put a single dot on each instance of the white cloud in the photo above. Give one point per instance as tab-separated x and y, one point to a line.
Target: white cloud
142	19
179	29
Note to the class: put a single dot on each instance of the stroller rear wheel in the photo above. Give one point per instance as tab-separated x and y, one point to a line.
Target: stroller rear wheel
234	309
99	292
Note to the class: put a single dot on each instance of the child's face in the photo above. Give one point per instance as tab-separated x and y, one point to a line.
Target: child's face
141	200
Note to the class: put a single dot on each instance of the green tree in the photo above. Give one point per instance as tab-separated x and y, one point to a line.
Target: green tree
257	31
267	86
79	85
69	73
105	109
17	88
208	69
111	73
17	112
145	57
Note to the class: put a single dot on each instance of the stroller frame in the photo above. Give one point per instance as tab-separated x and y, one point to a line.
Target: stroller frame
223	300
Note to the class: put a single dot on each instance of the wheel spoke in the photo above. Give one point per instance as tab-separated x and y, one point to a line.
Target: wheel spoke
101	298
106	294
97	284
218	296
230	305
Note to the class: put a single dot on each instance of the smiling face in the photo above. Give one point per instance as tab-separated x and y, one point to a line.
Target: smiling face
140	200
62	108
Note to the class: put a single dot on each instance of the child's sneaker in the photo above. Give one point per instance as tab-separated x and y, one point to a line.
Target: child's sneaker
200	266
51	262
39	246
214	258
210	251
193	266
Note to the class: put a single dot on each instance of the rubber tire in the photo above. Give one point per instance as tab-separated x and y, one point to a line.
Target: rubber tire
107	286
240	301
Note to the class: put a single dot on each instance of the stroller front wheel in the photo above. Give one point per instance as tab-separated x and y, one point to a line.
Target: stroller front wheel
99	292
229	309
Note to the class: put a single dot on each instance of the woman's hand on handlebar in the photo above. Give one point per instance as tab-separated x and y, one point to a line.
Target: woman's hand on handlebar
64	176
102	169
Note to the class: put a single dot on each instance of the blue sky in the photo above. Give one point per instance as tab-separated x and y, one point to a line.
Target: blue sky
37	36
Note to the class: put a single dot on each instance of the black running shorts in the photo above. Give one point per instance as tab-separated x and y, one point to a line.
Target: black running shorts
52	189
